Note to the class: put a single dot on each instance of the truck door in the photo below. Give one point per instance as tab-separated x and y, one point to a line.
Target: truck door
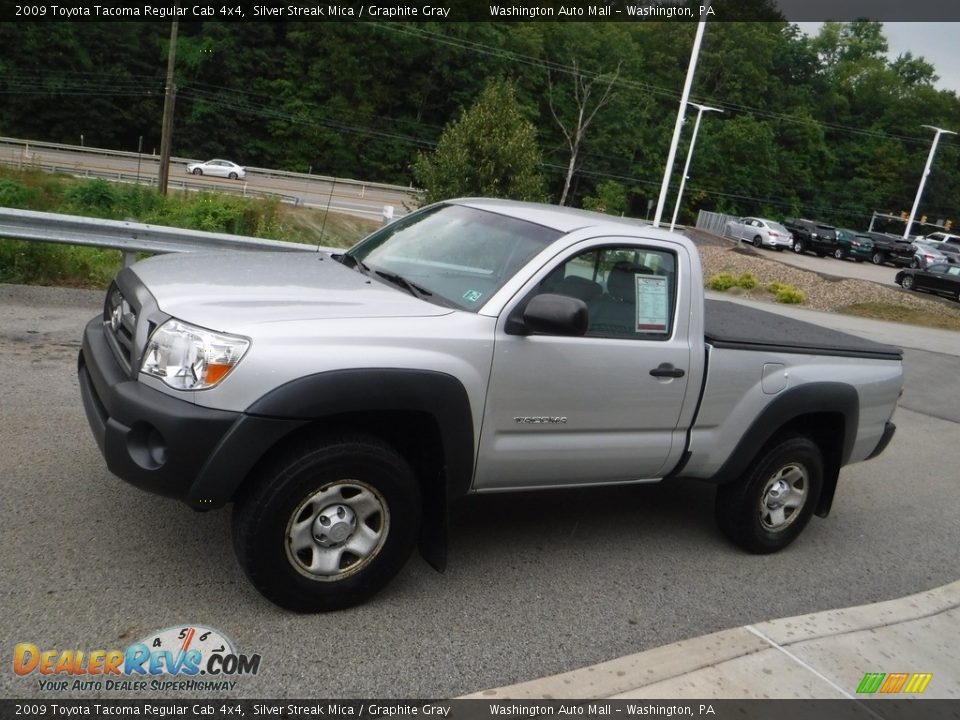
604	407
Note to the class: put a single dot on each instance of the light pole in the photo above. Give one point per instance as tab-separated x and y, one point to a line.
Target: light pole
923	179
701	109
671	154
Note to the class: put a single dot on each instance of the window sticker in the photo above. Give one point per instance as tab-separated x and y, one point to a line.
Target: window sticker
471	296
652	303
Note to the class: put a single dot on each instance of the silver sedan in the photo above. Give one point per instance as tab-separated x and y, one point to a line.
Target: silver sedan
218	168
760	232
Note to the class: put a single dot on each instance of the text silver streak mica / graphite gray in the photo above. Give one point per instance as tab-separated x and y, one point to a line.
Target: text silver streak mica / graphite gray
342	402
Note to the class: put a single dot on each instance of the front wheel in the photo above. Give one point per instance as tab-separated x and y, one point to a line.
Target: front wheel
197	171
232	176
769	506
326	525
907	282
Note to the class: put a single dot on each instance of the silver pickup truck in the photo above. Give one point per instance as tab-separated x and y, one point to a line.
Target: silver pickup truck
341	402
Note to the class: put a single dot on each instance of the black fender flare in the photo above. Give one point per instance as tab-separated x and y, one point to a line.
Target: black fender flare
316	397
789	408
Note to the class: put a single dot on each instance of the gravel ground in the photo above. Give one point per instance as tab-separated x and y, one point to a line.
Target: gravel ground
823	292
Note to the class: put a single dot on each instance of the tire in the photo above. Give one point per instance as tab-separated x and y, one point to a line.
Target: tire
907	282
232	176
769	506
838	254
758	242
798	247
915	264
877	258
328	523
197	171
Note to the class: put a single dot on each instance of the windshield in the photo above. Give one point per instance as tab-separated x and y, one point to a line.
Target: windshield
458	255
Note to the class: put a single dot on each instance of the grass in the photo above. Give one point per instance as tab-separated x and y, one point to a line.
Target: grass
898	313
38	263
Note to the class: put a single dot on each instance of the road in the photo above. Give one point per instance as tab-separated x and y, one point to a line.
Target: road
344	196
537	584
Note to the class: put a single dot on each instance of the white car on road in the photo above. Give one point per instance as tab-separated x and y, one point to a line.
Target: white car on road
760	232
218	168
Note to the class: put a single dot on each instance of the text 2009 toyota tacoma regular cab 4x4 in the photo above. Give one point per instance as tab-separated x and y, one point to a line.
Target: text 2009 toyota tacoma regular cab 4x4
341	402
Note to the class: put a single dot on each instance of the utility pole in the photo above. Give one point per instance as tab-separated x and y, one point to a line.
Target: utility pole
170	95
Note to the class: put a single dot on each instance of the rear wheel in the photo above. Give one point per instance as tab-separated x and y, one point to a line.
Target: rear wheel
877	258
769	506
915	264
797	247
325	525
838	254
757	241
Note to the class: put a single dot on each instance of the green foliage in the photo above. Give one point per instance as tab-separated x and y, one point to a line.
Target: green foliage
721	282
787	294
490	150
93	197
13	194
611	198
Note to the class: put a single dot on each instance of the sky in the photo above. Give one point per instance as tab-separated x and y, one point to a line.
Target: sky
937	43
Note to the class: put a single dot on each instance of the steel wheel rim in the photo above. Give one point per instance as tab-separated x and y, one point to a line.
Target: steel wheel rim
783	498
337	531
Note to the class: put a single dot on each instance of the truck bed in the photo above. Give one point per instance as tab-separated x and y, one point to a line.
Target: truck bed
733	326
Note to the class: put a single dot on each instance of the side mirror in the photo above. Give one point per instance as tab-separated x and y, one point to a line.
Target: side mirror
550	314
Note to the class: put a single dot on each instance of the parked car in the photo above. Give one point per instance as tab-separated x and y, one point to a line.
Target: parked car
760	232
218	168
945	240
851	244
941	279
891	249
811	236
249	378
927	253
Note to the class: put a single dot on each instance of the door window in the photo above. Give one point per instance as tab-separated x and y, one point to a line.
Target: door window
629	291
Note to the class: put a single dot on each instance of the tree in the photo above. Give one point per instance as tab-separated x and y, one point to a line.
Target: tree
490	150
573	132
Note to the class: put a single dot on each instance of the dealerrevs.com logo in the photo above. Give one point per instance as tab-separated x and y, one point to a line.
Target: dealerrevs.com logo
187	657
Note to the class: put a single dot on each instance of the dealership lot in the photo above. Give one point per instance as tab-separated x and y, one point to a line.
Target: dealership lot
537	584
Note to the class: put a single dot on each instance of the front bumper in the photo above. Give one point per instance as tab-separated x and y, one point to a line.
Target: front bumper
163	444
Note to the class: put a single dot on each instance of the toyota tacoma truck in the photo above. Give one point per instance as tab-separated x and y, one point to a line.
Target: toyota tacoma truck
342	401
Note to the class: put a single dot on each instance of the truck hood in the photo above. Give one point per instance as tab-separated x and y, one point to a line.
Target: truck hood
220	290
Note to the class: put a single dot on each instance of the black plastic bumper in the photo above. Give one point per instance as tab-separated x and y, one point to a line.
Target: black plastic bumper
163	444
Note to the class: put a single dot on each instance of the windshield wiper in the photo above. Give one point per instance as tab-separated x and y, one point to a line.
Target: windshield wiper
412	288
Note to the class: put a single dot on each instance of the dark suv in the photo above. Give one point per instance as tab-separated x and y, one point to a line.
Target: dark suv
811	236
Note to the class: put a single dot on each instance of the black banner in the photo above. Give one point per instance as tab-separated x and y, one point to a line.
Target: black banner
916	709
483	10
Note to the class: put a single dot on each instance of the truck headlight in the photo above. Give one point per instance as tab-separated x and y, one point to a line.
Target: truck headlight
187	357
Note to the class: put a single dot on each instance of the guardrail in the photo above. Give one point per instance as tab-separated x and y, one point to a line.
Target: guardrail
130	237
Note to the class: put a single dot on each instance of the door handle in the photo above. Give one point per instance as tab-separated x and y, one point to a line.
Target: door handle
667	370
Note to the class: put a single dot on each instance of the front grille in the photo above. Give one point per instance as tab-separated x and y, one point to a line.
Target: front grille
120	320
